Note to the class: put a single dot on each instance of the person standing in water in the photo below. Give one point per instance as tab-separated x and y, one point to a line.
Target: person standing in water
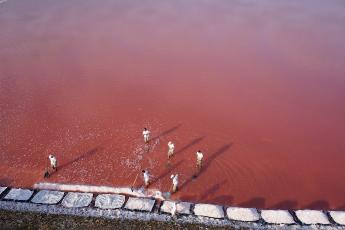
146	178
171	147
199	157
146	134
53	162
174	182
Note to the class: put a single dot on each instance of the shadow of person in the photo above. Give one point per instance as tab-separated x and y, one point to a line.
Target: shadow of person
209	160
224	199
342	207
167	172
256	202
80	157
286	204
166	132
190	144
213	189
4	181
216	154
318	204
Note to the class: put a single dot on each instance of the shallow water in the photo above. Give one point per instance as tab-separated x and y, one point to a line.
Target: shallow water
258	86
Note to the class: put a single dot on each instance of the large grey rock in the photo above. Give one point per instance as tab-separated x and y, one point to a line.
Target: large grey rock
19	194
109	201
338	217
209	210
277	217
2	189
243	214
77	200
141	204
312	217
181	207
47	197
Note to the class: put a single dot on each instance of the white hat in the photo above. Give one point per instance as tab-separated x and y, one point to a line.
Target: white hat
172	175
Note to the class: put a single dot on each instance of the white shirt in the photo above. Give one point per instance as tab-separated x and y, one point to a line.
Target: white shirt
146	132
146	176
171	146
52	160
175	179
199	156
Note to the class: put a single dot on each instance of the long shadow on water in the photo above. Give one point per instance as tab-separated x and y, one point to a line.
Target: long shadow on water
213	189
342	207
209	160
4	181
167	172
318	204
193	142
166	132
80	157
286	204
257	202
224	199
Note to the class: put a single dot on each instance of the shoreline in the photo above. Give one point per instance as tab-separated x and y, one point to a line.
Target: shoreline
148	193
52	208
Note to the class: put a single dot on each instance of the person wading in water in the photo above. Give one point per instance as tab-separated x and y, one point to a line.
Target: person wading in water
174	182
199	160
53	165
146	134
146	178
171	147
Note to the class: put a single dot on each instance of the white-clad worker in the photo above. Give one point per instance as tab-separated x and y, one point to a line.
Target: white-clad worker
174	182
146	134
146	178
171	147
199	157
53	162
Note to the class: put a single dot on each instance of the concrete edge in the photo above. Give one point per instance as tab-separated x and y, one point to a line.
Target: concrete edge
157	215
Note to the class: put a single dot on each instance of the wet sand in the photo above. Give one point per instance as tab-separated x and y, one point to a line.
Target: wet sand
258	86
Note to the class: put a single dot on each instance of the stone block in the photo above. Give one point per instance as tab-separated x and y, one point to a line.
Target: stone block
109	201
312	217
181	207
19	194
277	217
243	214
47	197
209	210
338	217
77	200
140	204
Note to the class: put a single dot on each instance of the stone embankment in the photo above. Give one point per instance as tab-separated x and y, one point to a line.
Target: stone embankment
57	209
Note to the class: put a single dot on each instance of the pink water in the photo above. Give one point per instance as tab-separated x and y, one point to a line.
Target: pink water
258	86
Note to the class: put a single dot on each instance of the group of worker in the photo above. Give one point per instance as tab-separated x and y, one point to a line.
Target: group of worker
171	148
146	175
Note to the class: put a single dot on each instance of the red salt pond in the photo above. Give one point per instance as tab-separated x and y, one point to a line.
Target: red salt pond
259	86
